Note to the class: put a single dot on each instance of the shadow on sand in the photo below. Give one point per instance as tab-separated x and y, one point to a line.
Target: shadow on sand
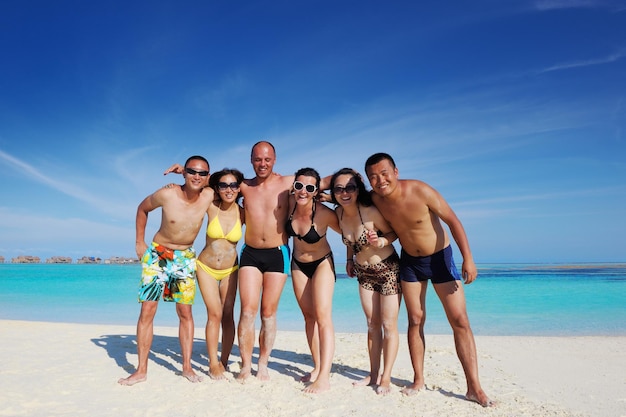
165	352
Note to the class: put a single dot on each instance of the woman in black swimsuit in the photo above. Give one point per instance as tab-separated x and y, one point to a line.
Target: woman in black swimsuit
313	273
372	258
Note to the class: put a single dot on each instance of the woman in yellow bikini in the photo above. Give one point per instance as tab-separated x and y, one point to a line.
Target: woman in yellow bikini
217	266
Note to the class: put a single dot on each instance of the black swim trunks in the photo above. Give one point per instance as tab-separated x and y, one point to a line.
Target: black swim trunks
266	260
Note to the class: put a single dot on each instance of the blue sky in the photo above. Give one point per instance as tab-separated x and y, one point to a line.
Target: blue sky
514	110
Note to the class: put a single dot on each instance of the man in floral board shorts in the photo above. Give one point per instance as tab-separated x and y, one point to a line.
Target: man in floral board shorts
169	262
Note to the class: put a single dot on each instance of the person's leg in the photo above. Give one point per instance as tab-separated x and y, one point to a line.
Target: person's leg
371	308
302	288
323	288
210	294
273	283
452	297
145	333
185	335
390	306
415	300
228	292
250	282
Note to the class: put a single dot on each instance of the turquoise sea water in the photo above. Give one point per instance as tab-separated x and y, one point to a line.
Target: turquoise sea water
506	299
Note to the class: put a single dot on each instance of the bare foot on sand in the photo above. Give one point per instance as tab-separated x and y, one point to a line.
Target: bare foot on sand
244	374
133	379
412	389
384	386
217	372
317	387
383	389
367	381
263	373
480	398
192	376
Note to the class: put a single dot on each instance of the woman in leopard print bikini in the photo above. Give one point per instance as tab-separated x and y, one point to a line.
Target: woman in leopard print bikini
372	258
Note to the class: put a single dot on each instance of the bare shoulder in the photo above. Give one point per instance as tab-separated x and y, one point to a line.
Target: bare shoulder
324	210
325	215
368	211
412	189
285	179
414	185
208	193
279	182
274	180
166	193
372	213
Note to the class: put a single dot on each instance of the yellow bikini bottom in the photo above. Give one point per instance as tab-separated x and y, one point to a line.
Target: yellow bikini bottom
218	274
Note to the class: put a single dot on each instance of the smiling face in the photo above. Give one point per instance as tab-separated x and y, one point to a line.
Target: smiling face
345	190
228	188
383	177
196	174
305	188
263	158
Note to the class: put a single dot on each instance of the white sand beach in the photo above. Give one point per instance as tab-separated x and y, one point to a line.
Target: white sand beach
58	369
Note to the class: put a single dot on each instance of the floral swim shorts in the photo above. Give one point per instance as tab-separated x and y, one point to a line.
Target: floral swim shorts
168	272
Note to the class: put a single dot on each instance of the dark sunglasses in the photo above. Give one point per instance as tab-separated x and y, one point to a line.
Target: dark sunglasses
192	171
310	188
224	185
350	188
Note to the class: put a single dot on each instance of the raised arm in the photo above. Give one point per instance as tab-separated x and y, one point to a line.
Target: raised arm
176	169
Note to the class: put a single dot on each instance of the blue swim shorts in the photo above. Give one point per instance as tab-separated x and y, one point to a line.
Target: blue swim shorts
438	267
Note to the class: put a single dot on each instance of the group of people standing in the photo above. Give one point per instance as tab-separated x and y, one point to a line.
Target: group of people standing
276	208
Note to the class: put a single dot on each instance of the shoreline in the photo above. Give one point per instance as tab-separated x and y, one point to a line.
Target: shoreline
72	369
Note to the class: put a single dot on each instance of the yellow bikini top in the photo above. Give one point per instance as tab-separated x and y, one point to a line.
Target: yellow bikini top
214	230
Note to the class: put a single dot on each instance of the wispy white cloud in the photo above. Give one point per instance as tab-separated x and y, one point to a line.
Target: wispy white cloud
93	199
420	135
586	63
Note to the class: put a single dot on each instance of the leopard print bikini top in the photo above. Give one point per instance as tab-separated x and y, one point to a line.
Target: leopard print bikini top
361	241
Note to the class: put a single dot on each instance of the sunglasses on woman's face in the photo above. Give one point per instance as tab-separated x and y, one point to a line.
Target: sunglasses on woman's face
310	188
350	188
192	171
222	186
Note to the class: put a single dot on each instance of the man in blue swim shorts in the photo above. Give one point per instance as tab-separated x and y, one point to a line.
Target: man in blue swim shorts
438	267
169	263
415	212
